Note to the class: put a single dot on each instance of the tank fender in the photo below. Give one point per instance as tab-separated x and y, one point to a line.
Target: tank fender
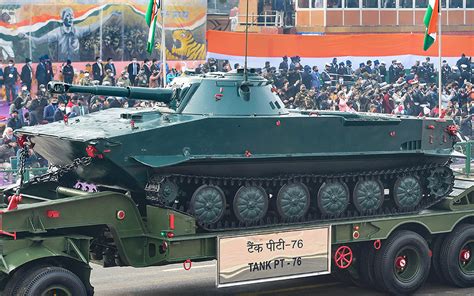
24	251
160	161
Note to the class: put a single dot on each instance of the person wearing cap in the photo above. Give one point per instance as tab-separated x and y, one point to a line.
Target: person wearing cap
325	77
465	75
124	80
383	71
26	75
109	77
349	70
41	72
463	61
68	72
86	80
445	72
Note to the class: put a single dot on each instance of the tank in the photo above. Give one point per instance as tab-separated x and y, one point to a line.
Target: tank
228	152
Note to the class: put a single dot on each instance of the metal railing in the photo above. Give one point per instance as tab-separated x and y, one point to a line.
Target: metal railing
463	166
270	18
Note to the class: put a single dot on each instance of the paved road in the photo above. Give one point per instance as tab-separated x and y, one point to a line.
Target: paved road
200	280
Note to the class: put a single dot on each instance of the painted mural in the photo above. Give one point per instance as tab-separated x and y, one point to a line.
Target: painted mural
84	29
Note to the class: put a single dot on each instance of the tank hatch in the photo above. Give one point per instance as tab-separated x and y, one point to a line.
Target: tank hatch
220	94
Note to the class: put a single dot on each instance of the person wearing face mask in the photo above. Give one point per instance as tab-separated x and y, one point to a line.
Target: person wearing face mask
26	75
50	110
86	80
123	80
41	72
133	69
60	111
98	70
109	78
10	77
14	121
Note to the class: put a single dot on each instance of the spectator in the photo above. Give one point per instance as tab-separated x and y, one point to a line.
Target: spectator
41	72
50	110
141	79
26	75
14	122
10	77
86	80
98	70
147	68
123	80
110	66
315	78
133	69
283	64
68	72
109	77
1	79
154	79
60	111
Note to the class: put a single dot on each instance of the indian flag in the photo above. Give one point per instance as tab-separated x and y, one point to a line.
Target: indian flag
431	23
150	18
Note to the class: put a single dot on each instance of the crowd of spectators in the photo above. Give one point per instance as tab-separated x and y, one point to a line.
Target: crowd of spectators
372	86
27	107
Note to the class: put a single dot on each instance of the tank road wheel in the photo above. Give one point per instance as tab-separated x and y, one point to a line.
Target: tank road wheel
456	257
168	192
293	200
368	195
208	204
250	204
402	265
407	192
440	182
52	281
333	198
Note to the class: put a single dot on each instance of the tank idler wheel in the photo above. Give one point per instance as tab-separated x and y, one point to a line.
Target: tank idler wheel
293	201
52	281
368	195
457	256
407	192
402	265
208	204
333	198
441	182
250	204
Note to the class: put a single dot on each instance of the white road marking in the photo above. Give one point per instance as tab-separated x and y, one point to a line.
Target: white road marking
181	268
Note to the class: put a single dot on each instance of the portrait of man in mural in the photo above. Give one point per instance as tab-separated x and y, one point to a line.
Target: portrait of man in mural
67	35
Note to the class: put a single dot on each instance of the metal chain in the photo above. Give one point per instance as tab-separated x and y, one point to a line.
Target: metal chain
58	171
24	154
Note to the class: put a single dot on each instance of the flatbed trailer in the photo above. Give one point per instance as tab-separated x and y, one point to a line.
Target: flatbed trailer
46	245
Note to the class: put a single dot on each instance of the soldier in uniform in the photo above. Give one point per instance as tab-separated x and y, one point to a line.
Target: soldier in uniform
141	79
304	99
86	80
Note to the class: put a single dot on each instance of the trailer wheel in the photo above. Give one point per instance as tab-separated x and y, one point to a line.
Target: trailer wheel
436	274
456	256
402	265
52	281
366	266
16	280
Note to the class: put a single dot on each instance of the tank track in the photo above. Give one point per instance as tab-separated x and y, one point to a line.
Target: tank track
229	222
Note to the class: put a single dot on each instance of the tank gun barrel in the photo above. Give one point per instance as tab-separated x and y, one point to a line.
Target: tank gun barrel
140	93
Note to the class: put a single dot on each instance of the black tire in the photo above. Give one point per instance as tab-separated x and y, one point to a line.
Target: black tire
436	272
413	249
365	264
15	281
453	270
47	278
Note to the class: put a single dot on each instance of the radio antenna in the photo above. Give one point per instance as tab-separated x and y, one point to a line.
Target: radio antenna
246	41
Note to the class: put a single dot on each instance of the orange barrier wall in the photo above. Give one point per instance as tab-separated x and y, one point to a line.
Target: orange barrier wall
263	45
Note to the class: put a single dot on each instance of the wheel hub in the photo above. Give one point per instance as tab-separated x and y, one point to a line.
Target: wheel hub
465	256
401	262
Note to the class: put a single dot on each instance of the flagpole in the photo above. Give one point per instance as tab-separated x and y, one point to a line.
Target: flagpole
440	82
163	42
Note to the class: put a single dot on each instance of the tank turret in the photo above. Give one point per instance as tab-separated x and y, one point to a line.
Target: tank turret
231	141
139	93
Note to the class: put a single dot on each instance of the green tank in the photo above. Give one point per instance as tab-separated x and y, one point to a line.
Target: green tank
228	152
